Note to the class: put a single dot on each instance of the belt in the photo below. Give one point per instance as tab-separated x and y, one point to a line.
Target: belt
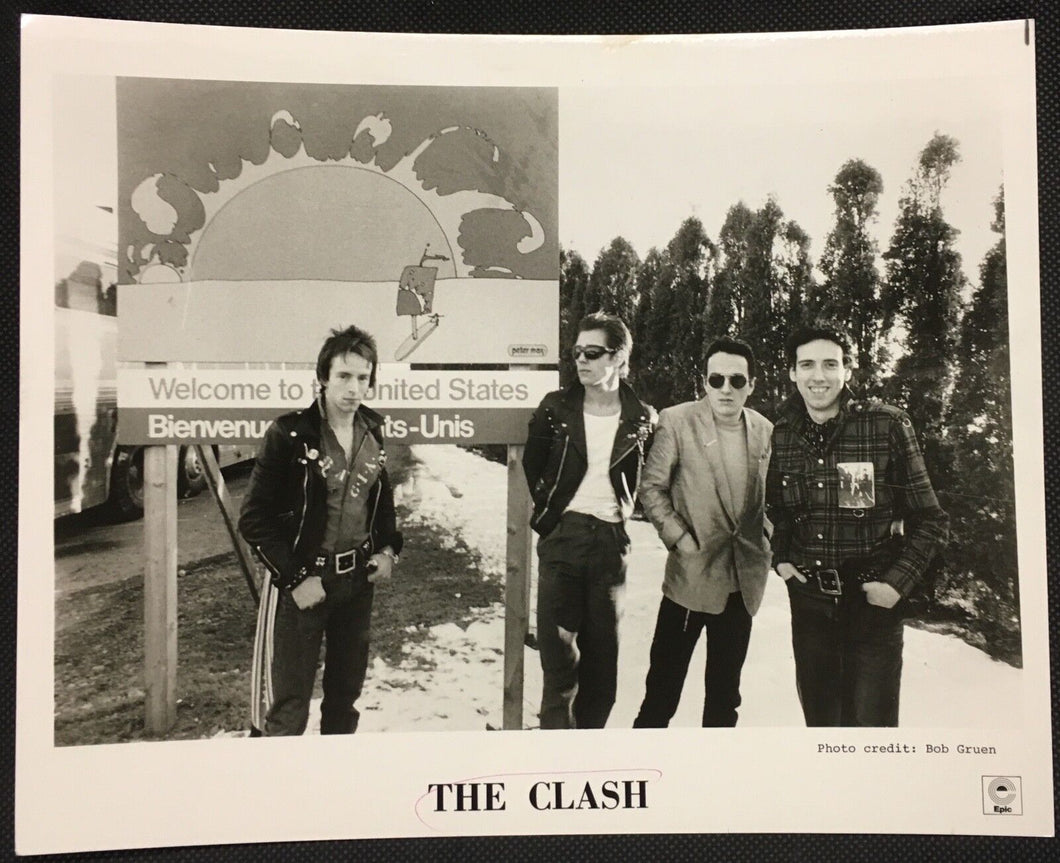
574	515
344	562
831	581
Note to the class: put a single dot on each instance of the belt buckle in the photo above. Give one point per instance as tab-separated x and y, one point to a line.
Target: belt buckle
348	556
828	581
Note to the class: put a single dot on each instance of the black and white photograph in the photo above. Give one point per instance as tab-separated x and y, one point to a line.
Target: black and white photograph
670	398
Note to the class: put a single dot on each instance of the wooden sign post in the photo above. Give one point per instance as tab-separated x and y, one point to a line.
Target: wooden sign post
160	587
516	590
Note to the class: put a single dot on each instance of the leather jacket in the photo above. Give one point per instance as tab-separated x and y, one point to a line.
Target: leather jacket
555	458
284	513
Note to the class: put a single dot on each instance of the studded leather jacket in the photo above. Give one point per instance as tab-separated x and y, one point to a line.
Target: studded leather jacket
284	513
555	458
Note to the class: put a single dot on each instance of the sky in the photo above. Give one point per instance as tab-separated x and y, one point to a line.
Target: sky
636	162
85	141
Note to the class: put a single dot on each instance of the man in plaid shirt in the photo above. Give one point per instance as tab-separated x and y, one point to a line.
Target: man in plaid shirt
846	480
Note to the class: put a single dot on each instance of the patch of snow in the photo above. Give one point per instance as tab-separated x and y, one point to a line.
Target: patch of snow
946	682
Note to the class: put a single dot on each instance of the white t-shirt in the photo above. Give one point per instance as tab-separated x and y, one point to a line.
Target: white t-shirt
595	496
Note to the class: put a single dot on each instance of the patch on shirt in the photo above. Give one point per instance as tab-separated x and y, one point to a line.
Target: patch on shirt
365	472
857	484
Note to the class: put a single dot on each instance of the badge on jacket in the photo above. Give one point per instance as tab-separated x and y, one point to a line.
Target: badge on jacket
857	484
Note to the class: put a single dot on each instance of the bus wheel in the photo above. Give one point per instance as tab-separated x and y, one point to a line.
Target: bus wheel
127	483
127	479
191	472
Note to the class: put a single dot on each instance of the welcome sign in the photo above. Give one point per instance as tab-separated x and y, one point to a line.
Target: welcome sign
255	217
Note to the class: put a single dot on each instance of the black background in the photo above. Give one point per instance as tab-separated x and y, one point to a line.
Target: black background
546	16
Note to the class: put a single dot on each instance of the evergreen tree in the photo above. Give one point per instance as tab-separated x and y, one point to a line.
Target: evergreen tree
982	507
659	331
726	304
921	304
612	284
850	291
690	255
645	364
763	278
573	282
922	297
793	282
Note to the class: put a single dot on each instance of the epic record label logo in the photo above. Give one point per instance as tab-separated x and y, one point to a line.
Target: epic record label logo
1002	795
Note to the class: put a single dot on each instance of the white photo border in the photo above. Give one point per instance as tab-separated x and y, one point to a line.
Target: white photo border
137	795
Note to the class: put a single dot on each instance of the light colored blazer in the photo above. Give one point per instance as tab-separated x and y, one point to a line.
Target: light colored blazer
684	489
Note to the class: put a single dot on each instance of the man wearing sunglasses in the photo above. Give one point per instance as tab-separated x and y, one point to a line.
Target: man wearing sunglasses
846	479
703	489
583	459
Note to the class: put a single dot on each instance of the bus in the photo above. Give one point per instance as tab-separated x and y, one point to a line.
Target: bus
91	468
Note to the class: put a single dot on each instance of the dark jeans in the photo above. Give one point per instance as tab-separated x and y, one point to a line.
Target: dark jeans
343	622
848	658
580	584
676	633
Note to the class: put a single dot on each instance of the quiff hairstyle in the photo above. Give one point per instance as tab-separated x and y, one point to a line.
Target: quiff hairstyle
616	333
352	340
826	330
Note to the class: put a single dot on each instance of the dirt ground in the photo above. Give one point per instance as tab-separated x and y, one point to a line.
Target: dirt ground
99	694
91	551
99	689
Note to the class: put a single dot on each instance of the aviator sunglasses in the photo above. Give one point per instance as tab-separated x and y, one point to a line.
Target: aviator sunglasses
592	352
716	381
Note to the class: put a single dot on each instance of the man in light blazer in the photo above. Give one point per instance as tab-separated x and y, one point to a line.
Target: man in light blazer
704	490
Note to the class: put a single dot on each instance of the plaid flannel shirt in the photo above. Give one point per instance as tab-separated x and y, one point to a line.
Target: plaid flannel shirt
803	487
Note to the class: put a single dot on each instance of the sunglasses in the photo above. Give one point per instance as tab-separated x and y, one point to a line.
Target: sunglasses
737	382
591	352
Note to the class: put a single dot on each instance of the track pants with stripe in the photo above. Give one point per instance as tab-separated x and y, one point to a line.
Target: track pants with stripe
287	654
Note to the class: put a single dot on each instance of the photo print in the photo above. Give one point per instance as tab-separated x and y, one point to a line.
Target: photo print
211	207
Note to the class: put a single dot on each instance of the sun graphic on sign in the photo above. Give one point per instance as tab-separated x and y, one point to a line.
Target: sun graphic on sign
323	222
294	217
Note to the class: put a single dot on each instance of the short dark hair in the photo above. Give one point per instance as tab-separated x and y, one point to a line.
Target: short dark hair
826	330
615	331
352	340
729	345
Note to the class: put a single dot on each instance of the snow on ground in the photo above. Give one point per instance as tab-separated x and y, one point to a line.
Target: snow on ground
946	682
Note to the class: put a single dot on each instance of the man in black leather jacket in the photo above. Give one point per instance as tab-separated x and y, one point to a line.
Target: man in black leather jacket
583	459
319	513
